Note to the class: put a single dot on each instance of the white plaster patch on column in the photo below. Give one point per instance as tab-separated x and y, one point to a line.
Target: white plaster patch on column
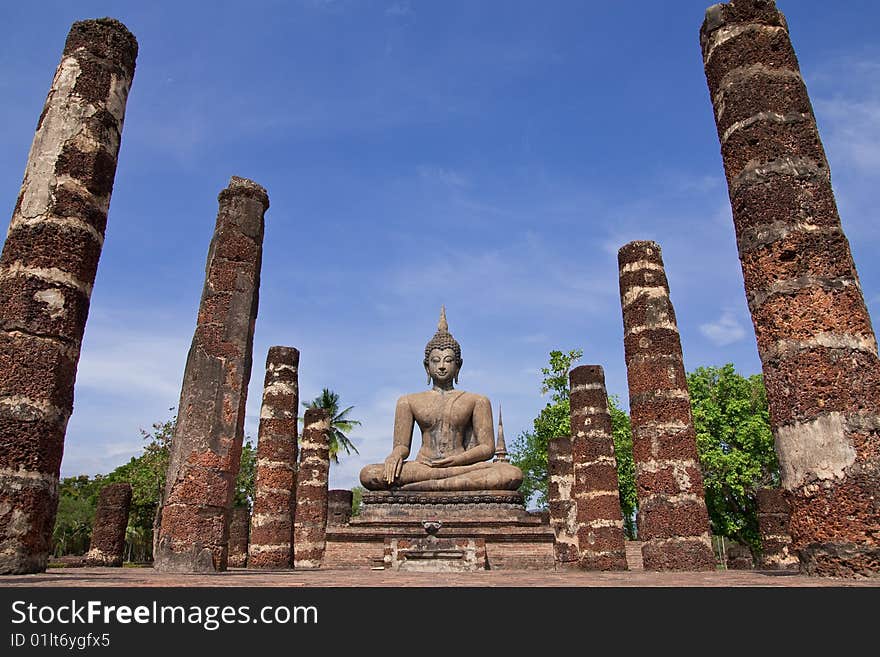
728	32
279	388
639	265
637	291
47	274
54	301
819	448
63	119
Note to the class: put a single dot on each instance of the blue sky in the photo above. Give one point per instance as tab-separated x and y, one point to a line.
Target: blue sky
489	156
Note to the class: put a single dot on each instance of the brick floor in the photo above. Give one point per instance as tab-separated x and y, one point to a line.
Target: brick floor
147	577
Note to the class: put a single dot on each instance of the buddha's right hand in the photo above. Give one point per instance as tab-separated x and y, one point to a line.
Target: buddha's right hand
393	467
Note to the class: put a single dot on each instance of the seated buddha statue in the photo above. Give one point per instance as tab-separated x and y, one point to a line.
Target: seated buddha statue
458	438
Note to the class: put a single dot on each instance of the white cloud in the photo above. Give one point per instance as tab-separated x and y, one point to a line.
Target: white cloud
726	330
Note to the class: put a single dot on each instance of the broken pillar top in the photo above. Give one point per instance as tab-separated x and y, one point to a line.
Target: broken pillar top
245	187
106	38
740	12
639	250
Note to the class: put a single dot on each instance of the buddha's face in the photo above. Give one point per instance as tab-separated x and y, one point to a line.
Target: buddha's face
442	365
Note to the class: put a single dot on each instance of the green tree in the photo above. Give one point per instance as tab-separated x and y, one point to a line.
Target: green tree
529	449
340	423
357	496
735	445
621	431
77	499
146	474
245	482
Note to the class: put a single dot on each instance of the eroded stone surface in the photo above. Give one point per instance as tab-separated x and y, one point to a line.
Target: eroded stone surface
275	489
107	547
672	521
206	446
238	537
598	520
817	346
310	517
47	270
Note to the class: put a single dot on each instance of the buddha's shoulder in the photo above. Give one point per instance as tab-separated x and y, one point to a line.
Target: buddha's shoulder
427	395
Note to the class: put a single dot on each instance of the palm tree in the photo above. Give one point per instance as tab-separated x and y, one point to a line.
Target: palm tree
339	422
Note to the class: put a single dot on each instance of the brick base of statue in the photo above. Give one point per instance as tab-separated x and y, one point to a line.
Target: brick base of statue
471	523
434	554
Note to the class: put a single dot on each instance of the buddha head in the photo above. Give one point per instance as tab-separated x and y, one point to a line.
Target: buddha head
442	353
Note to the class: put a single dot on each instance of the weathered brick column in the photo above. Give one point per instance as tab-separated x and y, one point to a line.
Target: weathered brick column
47	270
107	547
272	522
672	520
596	494
774	516
239	522
560	489
310	517
339	502
815	339
206	446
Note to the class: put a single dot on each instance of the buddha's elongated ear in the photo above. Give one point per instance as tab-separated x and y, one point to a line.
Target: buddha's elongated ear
428	372
457	370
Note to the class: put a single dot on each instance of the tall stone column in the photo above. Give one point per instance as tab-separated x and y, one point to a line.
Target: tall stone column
239	522
560	499
596	494
817	346
272	521
310	517
107	547
206	446
673	521
47	270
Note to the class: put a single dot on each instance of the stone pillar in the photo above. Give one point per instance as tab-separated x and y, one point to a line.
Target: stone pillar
239	522
272	523
563	513
47	270
817	346
339	507
310	518
774	515
107	547
673	521
206	446
601	543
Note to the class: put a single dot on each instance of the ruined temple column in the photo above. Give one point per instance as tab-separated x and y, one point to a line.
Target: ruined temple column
47	270
206	446
107	547
272	522
595	492
310	517
673	521
774	517
239	522
817	346
563	513
339	502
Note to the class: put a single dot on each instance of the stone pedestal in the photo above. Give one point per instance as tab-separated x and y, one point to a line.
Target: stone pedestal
471	521
436	555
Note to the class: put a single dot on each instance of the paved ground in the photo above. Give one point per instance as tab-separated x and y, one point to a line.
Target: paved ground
147	577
